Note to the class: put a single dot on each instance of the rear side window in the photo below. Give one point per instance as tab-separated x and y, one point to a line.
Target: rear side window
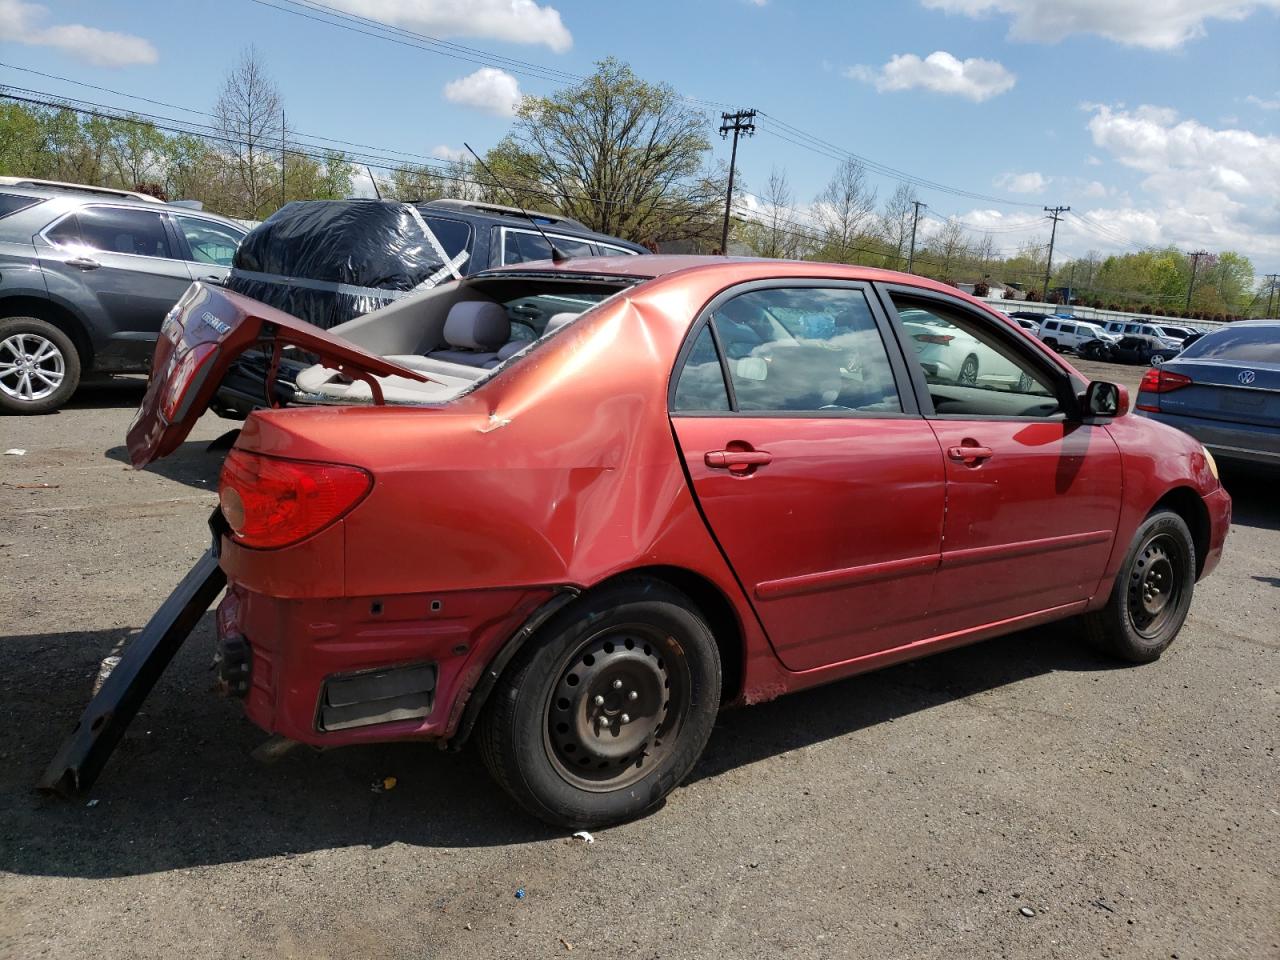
802	350
210	242
1051	325
12	203
120	230
454	235
1238	345
609	250
1067	328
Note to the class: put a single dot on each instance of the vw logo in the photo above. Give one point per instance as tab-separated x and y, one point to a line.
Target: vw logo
1246	377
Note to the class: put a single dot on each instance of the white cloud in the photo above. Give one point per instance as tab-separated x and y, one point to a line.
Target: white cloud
940	72
1092	161
1157	24
515	21
1030	182
20	23
1094	189
443	151
494	91
1263	102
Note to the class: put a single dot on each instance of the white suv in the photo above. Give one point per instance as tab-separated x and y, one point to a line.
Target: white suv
1163	337
1067	334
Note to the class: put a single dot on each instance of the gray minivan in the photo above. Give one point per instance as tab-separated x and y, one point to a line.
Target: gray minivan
86	280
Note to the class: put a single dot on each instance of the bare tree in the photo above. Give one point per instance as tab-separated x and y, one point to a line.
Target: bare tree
950	247
844	211
895	222
770	233
250	117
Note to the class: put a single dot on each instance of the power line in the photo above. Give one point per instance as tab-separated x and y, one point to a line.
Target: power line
1195	262
737	123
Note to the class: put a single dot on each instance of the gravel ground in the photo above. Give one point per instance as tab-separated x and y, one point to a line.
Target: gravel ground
914	812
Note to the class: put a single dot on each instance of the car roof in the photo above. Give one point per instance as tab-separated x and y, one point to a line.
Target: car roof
70	199
512	217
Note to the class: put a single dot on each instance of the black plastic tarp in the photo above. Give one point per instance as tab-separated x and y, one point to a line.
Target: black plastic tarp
327	261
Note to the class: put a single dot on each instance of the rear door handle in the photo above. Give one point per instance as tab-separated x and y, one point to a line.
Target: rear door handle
729	459
969	454
84	263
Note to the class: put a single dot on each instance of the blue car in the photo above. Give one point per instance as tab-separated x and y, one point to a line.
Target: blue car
1224	390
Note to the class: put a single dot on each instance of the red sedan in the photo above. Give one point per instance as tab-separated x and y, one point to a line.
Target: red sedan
574	509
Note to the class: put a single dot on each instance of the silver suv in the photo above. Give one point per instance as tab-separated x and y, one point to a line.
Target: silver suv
86	279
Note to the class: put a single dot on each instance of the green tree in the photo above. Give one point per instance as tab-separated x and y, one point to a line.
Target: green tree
624	156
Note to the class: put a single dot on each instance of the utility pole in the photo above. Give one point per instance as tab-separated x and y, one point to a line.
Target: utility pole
1055	214
1195	262
736	123
915	220
1271	291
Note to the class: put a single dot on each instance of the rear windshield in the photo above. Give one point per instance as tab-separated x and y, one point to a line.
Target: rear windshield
1238	344
13	202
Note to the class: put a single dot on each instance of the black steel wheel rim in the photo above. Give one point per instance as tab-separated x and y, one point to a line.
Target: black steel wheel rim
1156	584
617	707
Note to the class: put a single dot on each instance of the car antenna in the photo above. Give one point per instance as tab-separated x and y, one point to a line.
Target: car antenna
556	255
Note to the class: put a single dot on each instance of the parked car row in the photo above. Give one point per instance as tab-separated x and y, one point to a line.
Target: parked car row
87	274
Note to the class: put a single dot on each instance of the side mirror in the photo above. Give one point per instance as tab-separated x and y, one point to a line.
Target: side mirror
1103	399
753	368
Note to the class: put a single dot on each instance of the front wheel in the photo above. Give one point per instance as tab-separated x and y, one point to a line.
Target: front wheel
1152	592
608	709
968	371
39	366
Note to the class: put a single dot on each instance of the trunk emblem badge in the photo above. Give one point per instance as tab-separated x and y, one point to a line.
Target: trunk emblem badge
214	322
1246	377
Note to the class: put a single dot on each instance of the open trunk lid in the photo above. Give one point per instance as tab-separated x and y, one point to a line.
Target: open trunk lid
204	332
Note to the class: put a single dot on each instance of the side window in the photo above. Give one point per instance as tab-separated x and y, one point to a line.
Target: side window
65	233
805	349
210	242
970	370
1051	325
123	230
13	202
1068	328
701	385
519	246
1131	328
454	235
609	250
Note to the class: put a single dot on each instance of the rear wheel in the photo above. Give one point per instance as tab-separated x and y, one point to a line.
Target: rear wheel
1051	343
39	366
968	371
1152	592
599	720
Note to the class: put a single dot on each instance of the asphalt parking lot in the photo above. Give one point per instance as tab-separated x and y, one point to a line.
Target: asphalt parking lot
1133	811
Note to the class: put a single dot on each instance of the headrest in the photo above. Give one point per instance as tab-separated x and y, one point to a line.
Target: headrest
559	320
477	325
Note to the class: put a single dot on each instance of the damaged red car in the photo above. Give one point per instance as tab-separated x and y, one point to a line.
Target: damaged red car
570	510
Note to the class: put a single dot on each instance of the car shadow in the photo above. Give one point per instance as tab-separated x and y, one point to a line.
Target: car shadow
1253	500
195	463
182	790
119	392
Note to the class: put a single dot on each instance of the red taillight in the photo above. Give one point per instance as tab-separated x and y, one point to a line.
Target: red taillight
1159	380
183	377
1156	380
270	502
939	338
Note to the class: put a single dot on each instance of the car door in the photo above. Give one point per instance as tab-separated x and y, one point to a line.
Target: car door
1033	490
125	258
817	476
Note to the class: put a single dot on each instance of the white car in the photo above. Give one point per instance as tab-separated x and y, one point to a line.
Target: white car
1166	337
950	355
1066	334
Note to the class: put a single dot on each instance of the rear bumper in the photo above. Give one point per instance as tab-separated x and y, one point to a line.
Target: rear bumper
1218	504
332	672
1226	439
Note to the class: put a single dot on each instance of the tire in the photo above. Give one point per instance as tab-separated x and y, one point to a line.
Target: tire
1156	359
1152	592
39	366
968	371
641	647
1051	343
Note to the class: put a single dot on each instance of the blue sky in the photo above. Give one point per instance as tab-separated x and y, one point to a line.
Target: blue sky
1157	119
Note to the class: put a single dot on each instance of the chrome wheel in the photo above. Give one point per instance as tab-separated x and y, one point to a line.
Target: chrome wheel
1156	359
616	708
969	371
1155	584
31	367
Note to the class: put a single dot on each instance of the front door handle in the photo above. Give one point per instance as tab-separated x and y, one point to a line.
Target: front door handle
84	263
737	459
971	454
